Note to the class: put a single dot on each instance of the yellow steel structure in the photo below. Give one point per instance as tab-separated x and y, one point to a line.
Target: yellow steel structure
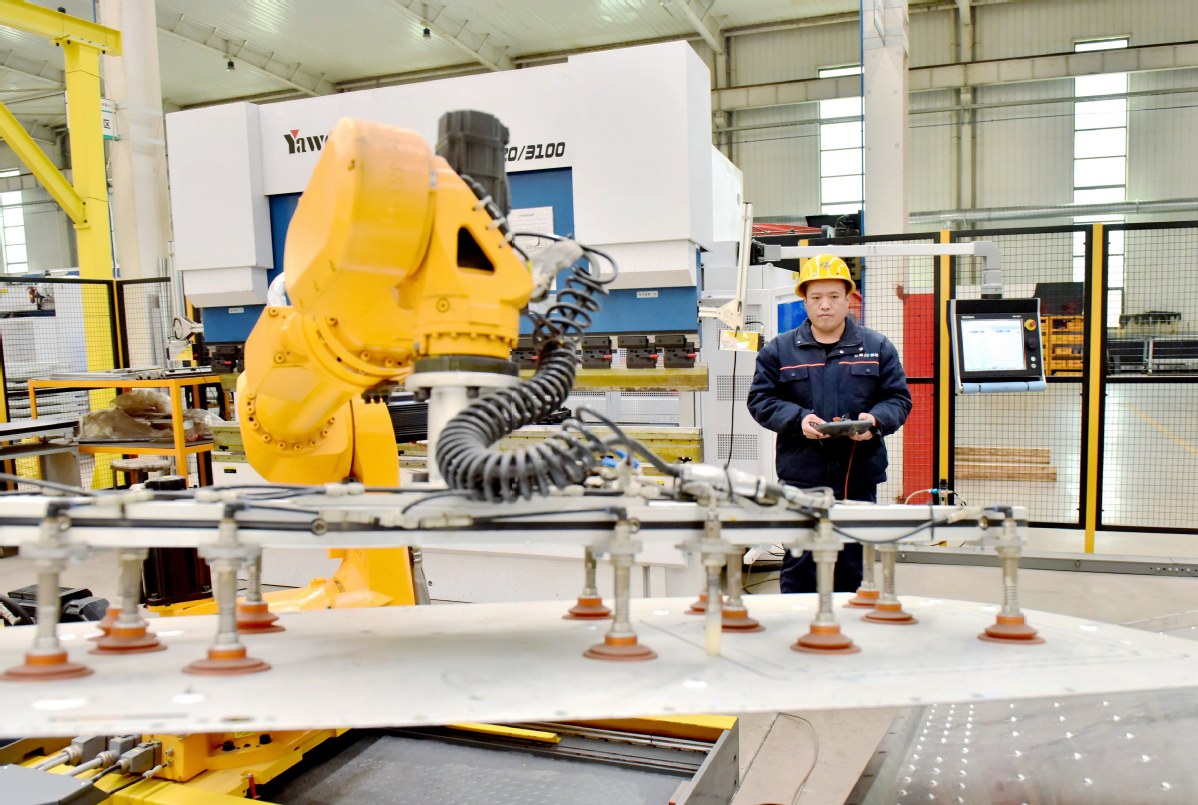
617	379
1095	324
944	365
86	200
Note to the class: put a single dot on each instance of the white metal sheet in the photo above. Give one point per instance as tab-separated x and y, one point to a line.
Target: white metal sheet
519	662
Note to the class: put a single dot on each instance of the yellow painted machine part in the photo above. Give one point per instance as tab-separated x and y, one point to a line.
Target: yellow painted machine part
944	367
376	280
694	728
31	154
540	736
1096	318
59	27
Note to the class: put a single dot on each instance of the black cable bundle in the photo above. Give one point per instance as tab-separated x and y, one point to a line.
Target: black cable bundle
466	454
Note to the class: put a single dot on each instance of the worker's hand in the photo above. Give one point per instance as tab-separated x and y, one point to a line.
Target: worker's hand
809	423
869	434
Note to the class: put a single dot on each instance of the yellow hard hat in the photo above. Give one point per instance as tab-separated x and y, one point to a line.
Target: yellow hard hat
824	267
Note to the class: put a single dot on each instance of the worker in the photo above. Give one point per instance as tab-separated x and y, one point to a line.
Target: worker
828	368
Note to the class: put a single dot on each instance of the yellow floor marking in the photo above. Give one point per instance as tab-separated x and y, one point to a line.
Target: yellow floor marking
1177	440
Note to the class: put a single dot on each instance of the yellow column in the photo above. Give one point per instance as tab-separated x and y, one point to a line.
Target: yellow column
944	365
87	158
93	236
1095	323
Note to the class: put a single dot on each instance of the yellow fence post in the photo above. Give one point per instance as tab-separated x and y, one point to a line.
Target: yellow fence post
1095	325
944	366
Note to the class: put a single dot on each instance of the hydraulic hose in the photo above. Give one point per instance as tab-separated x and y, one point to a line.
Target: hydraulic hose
466	452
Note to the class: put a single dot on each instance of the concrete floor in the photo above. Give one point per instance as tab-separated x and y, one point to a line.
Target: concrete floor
817	757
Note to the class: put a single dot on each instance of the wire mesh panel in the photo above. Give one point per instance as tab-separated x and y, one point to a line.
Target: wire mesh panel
1026	447
52	326
1150	406
145	315
1022	449
898	302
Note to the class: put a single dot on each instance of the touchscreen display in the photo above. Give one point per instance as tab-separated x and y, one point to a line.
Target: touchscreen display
992	344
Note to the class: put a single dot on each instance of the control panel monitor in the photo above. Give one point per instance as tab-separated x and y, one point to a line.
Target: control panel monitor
996	345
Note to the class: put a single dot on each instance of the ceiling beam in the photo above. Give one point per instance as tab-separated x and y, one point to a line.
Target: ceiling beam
955	76
43	71
43	134
456	32
227	46
56	25
703	21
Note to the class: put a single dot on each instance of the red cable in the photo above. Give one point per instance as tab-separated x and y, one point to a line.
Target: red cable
848	470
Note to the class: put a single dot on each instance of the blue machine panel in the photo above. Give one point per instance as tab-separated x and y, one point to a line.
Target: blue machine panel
672	310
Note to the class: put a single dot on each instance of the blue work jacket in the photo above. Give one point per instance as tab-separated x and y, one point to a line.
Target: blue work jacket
862	375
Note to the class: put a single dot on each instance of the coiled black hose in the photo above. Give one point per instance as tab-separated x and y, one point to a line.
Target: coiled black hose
466	455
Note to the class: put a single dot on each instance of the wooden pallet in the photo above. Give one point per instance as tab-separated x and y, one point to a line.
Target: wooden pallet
1005	464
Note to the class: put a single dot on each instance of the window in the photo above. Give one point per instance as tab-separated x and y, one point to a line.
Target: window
1100	164
12	218
840	155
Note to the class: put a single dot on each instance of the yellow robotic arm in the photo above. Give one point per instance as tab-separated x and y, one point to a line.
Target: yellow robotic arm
390	257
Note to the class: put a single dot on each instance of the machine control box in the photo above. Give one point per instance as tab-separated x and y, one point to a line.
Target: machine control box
524	356
641	352
677	351
596	352
996	345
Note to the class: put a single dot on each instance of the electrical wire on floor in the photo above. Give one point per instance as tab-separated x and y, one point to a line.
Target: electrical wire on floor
794	719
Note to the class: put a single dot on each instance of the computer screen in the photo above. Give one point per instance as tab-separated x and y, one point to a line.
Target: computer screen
996	345
992	344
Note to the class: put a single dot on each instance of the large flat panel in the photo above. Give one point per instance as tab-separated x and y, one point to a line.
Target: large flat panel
500	663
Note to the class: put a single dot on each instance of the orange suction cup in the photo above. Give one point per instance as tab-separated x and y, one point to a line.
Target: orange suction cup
121	640
825	639
42	667
699	607
257	618
889	612
105	624
737	620
588	608
620	649
864	598
1010	629
226	662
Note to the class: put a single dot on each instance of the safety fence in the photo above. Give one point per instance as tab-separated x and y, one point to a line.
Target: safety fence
54	326
1112	444
61	327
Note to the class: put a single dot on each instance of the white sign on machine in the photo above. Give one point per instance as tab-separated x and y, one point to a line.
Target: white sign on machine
531	103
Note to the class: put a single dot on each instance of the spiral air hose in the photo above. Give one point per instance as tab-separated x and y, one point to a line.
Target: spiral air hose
466	455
